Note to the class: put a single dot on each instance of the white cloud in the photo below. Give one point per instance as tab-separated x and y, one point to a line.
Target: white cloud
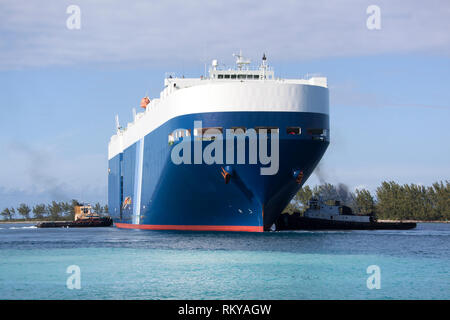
151	32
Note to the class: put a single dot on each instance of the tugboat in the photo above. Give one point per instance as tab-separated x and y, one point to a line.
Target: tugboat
84	217
321	216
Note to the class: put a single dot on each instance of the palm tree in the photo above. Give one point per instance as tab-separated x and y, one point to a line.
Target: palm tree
39	211
6	214
55	210
97	208
12	213
24	211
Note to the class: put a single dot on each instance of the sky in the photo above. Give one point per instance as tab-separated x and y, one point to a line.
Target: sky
61	88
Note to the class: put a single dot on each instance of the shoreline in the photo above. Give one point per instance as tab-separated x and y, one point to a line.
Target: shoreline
380	220
25	221
414	221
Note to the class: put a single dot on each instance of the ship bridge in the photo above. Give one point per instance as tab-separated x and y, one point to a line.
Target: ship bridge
243	72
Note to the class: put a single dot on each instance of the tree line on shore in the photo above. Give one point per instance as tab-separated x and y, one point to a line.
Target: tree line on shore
390	201
56	211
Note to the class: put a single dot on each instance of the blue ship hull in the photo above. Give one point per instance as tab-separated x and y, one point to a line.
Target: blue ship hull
146	190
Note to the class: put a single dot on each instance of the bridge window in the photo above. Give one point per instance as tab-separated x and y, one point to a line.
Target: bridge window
294	130
220	76
233	76
210	130
227	76
208	134
315	131
318	134
269	130
177	134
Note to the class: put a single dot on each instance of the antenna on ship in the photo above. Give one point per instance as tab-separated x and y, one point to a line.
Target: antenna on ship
214	64
117	123
240	61
263	66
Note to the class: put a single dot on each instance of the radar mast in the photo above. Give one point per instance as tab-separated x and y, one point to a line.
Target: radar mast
240	60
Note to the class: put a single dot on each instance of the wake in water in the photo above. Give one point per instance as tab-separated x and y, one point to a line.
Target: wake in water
28	227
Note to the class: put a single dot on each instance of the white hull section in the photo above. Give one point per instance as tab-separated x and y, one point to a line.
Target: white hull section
222	96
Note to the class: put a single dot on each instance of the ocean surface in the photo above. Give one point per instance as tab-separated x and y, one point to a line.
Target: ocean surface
139	264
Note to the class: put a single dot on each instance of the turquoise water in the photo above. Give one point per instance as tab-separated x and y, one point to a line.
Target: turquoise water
139	264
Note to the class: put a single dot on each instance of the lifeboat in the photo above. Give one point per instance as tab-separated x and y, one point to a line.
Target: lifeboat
144	102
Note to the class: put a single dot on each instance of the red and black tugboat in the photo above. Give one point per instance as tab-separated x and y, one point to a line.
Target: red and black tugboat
84	217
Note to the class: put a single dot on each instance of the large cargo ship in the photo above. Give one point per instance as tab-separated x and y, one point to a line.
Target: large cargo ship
223	152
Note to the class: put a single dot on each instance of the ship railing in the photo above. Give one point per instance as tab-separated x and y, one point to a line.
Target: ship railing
249	68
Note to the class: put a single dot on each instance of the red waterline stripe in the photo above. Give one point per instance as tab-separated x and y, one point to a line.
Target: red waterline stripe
189	228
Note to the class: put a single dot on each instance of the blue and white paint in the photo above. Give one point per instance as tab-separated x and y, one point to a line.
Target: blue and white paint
186	194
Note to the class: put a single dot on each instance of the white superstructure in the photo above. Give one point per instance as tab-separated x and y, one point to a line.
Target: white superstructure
320	210
239	89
